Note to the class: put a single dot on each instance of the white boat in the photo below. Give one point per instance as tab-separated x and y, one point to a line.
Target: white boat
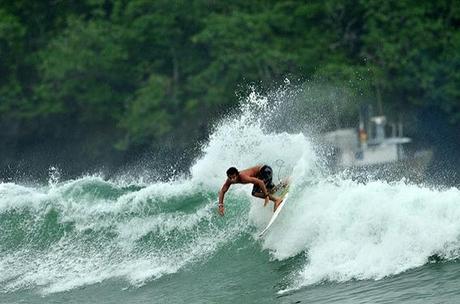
376	150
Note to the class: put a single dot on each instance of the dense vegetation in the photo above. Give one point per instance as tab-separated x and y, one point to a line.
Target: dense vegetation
94	81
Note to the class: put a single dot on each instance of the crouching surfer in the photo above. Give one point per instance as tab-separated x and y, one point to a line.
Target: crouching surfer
259	176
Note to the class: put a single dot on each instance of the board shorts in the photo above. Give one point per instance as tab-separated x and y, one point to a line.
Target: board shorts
268	184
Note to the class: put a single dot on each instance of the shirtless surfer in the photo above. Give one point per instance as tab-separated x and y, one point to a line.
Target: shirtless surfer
259	176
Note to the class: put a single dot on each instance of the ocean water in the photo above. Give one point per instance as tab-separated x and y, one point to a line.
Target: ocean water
122	240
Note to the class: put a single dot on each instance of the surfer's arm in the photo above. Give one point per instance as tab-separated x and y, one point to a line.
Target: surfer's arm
222	192
261	184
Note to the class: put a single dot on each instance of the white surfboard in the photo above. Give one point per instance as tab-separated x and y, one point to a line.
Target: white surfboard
275	215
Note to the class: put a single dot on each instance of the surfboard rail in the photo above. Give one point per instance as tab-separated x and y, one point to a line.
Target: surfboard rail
277	211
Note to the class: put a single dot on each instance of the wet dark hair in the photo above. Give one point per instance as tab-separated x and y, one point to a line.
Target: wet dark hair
266	173
232	171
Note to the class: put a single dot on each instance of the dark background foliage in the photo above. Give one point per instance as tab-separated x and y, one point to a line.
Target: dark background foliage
96	84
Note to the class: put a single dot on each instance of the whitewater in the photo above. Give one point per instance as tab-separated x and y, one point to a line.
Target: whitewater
337	240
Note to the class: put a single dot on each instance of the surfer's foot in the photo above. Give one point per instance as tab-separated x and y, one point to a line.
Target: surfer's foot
277	204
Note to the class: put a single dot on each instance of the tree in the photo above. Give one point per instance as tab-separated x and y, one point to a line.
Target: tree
85	71
11	50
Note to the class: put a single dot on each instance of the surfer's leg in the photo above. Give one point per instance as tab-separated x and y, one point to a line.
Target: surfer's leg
274	198
257	192
277	201
270	196
271	191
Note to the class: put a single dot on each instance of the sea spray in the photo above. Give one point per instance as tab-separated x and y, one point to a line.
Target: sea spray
243	140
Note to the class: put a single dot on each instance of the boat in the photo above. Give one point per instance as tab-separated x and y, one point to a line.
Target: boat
376	149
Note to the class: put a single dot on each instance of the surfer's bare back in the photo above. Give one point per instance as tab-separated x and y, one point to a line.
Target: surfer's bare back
259	176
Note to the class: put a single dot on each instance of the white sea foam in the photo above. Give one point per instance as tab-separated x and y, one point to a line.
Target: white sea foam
356	231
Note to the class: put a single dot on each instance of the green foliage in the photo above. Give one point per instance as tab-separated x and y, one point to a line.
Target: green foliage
150	70
405	43
11	49
147	117
84	71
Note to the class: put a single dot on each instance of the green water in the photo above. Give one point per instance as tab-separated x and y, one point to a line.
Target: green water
245	274
94	241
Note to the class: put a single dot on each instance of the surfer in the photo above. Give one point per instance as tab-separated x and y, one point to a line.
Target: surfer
259	176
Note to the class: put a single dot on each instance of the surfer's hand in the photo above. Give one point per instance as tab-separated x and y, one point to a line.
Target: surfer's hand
267	200
221	210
